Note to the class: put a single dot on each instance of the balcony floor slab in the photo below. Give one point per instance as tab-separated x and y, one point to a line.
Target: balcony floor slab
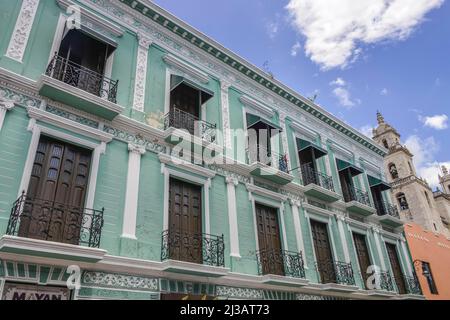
184	267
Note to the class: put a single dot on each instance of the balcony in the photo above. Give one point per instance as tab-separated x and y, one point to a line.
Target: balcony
318	185
268	164
281	267
49	229
180	125
81	88
412	285
336	276
388	214
358	202
383	285
193	253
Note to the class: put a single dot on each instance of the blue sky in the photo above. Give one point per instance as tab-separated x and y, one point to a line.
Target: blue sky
358	56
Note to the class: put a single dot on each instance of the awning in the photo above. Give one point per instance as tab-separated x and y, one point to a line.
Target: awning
94	35
254	121
344	165
378	183
307	146
175	81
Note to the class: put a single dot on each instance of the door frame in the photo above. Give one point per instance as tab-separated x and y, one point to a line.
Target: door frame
204	182
97	150
399	256
365	234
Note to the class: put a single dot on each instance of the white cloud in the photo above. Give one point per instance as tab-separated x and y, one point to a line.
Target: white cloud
367	130
384	92
424	151
438	122
272	29
335	30
295	49
344	97
338	82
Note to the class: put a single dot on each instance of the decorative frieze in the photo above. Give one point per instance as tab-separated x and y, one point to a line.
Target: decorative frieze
242	293
22	30
224	92
103	279
141	72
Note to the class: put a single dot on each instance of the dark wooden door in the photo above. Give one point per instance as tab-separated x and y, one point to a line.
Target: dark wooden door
347	185
322	247
271	257
396	267
363	255
185	221
56	192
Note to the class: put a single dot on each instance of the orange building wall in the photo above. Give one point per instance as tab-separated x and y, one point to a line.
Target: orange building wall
434	249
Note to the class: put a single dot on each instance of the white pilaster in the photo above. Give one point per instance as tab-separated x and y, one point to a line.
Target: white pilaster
284	141
340	222
22	30
141	72
4	107
283	227
407	257
295	205
232	216
376	233
225	86
132	191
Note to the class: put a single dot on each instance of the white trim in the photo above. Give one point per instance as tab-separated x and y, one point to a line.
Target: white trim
68	124
331	237
37	130
232	183
346	154
295	205
132	191
255	223
407	257
300	129
4	107
258	107
59	32
140	81
188	166
167	92
281	211
185	67
94	18
380	250
21	33
206	183
266	193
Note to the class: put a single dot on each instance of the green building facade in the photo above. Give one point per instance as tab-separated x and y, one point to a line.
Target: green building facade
100	102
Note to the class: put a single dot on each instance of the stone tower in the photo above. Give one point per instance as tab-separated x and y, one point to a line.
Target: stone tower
411	193
444	180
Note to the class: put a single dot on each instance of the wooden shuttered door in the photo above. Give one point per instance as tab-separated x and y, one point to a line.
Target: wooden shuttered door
322	249
56	192
363	255
185	221
269	240
396	267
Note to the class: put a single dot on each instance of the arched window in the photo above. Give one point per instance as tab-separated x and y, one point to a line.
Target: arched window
385	144
393	171
403	204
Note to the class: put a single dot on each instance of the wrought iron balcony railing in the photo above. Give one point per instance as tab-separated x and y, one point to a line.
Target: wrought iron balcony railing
193	247
280	262
82	78
355	194
52	221
261	154
180	119
384	208
309	175
336	272
412	285
385	281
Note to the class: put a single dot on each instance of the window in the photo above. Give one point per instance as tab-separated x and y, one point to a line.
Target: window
429	276
410	167
393	171
401	198
385	144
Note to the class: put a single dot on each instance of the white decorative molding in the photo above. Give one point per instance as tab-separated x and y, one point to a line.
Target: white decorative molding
132	191
224	95
141	72
34	247
185	67
342	151
295	205
303	130
4	107
257	106
232	182
343	238
94	18
188	166
22	30
266	193
68	124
